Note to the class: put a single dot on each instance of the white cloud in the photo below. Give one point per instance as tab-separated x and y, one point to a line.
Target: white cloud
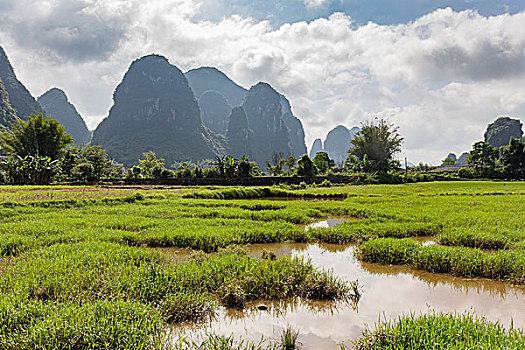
316	3
441	78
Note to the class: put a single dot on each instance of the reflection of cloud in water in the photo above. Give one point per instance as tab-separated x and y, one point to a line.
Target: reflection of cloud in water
280	308
497	288
388	291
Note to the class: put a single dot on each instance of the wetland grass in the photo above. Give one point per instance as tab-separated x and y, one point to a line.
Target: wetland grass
72	257
459	261
440	331
73	273
289	339
35	324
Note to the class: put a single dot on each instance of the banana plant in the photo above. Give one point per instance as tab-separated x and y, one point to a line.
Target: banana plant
29	169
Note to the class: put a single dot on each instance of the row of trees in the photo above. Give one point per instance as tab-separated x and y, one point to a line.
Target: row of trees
506	162
40	150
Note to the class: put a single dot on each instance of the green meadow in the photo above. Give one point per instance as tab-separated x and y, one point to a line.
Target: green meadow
78	268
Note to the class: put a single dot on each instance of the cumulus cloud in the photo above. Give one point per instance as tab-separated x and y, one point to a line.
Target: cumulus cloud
442	78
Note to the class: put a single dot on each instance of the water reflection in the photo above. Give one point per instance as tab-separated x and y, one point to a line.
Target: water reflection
327	223
388	291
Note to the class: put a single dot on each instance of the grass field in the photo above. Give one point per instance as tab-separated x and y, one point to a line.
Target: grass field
76	271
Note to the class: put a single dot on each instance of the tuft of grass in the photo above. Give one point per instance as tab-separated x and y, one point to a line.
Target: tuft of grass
459	261
440	331
259	192
493	240
289	339
34	324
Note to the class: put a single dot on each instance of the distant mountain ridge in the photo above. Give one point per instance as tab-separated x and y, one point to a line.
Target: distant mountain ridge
56	105
20	98
7	113
154	109
181	117
210	78
212	88
337	143
263	111
501	130
215	110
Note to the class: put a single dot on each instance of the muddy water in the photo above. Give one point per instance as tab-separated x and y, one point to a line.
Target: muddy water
388	291
328	223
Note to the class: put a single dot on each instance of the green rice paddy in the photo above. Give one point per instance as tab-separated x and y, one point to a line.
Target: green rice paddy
78	271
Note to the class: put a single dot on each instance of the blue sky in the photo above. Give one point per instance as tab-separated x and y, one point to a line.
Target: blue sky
440	70
361	11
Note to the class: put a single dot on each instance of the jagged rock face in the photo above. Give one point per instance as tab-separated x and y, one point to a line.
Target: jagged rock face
19	97
462	160
154	109
7	113
56	105
206	82
338	142
215	110
317	147
239	135
263	110
501	130
208	78
295	129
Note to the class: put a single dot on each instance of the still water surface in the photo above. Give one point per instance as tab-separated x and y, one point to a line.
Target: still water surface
387	291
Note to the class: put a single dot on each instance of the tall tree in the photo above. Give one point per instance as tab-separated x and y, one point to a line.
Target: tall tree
305	166
98	158
150	163
39	136
244	167
512	158
483	156
374	147
323	162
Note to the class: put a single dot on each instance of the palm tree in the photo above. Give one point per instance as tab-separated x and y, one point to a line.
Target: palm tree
231	166
220	164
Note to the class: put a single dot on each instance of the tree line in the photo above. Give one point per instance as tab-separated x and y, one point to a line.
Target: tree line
39	150
506	162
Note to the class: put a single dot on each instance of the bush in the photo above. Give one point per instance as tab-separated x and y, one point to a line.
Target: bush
465	173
